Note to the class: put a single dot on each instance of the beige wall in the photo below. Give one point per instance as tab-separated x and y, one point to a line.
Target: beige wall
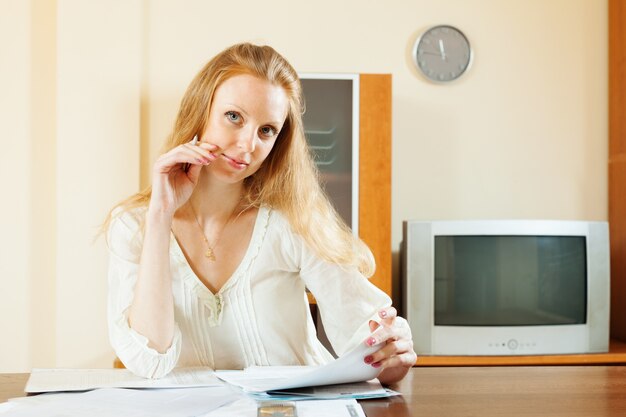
90	90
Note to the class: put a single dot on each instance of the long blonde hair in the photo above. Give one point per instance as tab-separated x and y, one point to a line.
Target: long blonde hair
288	179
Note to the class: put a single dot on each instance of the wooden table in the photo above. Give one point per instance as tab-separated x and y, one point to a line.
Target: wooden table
563	391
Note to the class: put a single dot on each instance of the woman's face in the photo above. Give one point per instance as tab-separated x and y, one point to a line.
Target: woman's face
245	119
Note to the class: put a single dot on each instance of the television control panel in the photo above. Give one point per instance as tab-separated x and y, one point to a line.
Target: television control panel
519	346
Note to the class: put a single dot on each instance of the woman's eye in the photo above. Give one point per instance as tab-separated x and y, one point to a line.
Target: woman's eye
268	131
233	116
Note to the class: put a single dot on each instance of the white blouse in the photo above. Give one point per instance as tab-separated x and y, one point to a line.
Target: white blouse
260	316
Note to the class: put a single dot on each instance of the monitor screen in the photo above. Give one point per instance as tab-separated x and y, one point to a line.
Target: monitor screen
510	280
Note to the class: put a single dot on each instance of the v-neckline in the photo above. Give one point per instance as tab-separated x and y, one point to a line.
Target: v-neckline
251	250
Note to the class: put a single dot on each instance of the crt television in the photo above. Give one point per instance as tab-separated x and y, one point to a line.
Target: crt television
506	287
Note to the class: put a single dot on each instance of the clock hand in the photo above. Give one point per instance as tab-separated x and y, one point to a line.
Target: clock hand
441	50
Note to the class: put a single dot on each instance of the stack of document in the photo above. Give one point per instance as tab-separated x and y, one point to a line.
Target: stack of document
110	402
300	383
50	380
189	392
184	402
117	392
344	378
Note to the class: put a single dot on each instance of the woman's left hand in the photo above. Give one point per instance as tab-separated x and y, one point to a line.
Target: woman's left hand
396	355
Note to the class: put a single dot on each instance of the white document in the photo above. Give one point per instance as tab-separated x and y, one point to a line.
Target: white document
247	407
49	380
116	402
346	369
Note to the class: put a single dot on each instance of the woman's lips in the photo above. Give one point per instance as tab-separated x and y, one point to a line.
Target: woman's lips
235	163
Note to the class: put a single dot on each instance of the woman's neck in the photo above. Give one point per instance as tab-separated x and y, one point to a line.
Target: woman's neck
215	201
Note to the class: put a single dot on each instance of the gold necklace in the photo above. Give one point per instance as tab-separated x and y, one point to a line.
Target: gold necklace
210	251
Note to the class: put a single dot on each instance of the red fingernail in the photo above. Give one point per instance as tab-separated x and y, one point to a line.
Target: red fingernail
369	359
371	341
376	364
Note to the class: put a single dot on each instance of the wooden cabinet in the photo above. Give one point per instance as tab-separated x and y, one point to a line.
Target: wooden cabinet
617	165
348	124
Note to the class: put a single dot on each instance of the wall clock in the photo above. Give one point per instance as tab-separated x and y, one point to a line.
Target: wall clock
442	53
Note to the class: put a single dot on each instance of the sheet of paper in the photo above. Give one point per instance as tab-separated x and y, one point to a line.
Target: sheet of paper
357	390
115	402
345	369
5	407
49	380
247	407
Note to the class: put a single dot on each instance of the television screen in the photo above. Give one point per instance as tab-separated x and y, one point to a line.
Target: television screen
510	280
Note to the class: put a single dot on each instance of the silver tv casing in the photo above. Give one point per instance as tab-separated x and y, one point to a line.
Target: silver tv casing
418	292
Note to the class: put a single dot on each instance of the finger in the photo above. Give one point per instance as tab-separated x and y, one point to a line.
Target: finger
385	333
208	146
402	350
193	172
206	151
388	315
193	141
202	155
201	150
381	334
390	349
404	360
169	161
400	328
203	144
177	157
373	325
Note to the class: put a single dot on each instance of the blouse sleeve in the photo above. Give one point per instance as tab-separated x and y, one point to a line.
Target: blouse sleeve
125	242
346	299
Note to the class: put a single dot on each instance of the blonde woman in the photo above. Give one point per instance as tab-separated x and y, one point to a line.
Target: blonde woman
209	266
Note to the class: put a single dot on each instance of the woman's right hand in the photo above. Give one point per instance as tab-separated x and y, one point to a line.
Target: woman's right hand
175	175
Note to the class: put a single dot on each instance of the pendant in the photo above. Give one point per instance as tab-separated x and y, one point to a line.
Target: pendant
210	254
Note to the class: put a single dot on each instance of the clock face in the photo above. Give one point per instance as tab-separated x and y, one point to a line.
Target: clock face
442	53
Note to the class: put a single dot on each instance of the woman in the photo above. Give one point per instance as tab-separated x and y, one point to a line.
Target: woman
209	266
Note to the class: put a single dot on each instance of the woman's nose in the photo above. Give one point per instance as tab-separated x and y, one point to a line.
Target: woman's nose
246	140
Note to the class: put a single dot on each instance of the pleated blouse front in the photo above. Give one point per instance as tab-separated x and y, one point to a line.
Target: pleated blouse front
260	316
